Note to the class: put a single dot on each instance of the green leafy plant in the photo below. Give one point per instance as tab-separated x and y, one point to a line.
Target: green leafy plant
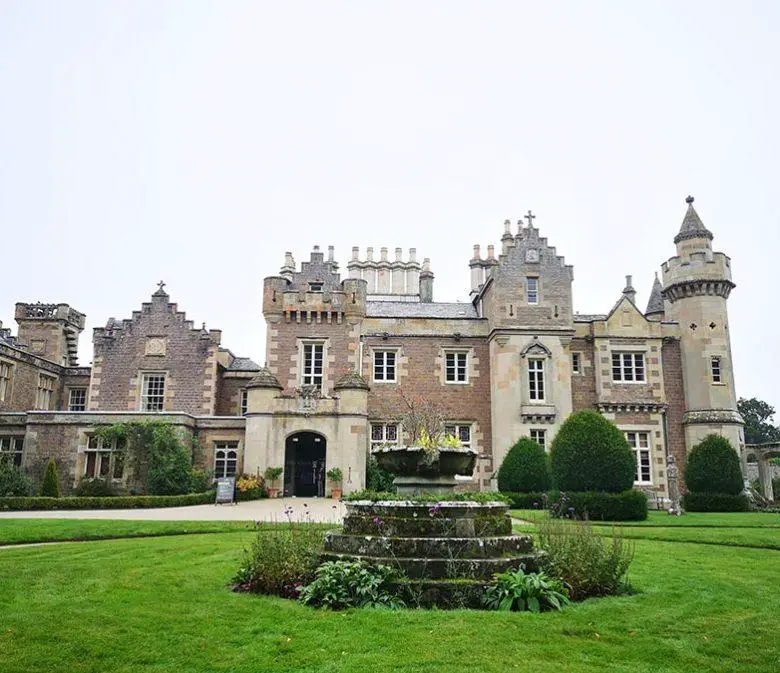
335	475
590	453
51	481
344	584
378	479
712	466
517	592
271	474
94	487
280	560
525	468
589	564
13	481
200	481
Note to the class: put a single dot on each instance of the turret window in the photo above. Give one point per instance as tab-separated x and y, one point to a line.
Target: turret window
628	367
532	290
536	380
244	403
313	356
716	370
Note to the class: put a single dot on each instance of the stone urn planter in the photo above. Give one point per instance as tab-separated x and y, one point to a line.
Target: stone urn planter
418	470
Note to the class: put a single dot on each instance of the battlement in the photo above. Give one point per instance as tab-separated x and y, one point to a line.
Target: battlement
50	330
702	265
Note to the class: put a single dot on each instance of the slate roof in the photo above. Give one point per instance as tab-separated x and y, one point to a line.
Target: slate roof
244	365
264	379
351	380
589	317
656	302
692	226
422	309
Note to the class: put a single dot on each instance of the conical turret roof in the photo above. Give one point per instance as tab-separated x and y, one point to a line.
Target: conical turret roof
264	379
352	379
692	226
656	303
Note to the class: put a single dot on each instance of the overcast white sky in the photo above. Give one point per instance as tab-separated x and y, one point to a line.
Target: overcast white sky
195	142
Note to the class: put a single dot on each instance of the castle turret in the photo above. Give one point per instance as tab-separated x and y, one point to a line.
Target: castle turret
50	331
655	305
696	286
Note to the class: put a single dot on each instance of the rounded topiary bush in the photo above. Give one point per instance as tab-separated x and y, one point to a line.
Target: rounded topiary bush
713	467
589	453
524	468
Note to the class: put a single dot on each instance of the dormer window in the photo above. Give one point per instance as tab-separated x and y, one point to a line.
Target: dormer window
315	287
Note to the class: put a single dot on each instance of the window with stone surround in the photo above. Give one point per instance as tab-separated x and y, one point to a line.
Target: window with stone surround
384	433
384	366
45	391
539	436
5	380
225	459
532	290
717	376
244	401
313	359
153	391
640	443
456	367
628	367
315	287
11	449
575	363
536	380
460	430
77	399
104	459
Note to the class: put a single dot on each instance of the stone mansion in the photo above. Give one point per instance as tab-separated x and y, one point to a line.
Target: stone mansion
514	360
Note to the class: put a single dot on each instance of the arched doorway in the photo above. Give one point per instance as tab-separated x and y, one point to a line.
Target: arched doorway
304	465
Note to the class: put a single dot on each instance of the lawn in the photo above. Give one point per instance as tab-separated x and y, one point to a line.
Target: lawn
161	604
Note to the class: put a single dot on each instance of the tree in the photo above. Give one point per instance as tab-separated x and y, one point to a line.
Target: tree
51	480
713	467
590	453
524	469
759	426
12	480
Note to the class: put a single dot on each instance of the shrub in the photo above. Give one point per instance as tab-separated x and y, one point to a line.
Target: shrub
272	474
51	481
94	487
13	482
169	469
335	475
517	592
527	500
712	466
589	453
589	564
280	560
378	479
524	469
344	584
200	481
627	506
250	487
481	497
120	502
715	502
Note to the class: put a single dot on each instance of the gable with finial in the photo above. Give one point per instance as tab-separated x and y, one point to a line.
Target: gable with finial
535	348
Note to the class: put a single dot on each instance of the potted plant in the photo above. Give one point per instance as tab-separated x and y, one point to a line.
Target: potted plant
335	476
271	475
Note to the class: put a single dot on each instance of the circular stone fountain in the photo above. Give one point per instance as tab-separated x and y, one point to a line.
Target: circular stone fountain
447	551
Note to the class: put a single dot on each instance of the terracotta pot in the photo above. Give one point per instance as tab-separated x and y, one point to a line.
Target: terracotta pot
273	492
336	493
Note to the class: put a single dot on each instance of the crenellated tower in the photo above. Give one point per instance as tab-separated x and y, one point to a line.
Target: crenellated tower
696	287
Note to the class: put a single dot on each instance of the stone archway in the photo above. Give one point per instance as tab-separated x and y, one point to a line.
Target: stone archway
304	465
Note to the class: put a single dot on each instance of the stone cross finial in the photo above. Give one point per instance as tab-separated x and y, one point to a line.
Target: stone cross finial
160	286
530	217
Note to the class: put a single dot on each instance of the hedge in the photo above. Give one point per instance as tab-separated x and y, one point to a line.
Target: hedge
526	500
599	506
590	454
251	494
120	502
524	468
715	502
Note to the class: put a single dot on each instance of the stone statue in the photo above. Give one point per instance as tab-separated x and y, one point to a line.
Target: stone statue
674	489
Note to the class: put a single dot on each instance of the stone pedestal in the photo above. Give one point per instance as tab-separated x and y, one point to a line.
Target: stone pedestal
447	551
417	486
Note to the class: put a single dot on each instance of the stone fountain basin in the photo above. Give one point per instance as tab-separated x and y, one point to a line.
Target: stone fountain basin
410	461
